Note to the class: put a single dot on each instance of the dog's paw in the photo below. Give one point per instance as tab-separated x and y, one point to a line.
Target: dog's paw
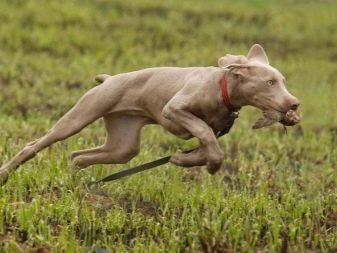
176	158
190	159
214	162
213	168
76	163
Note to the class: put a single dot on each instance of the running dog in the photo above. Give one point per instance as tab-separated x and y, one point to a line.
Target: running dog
188	102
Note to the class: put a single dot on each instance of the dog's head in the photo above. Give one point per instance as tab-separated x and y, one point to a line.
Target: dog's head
261	85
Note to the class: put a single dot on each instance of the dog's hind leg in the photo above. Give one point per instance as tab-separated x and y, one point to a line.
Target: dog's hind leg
85	151
122	144
89	108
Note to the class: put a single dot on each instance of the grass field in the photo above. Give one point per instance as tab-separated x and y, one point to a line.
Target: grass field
276	192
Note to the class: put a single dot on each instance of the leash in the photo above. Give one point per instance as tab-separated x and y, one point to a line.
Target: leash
234	113
134	170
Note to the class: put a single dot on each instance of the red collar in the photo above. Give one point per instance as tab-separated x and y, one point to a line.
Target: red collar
225	96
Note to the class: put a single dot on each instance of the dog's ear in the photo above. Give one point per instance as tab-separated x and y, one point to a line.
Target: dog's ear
238	69
231	59
257	53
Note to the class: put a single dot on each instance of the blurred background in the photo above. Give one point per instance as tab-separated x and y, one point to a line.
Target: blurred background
55	49
50	52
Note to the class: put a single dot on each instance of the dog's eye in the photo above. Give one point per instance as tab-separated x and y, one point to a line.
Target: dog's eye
270	82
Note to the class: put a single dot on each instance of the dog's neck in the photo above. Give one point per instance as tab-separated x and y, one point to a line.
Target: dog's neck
233	89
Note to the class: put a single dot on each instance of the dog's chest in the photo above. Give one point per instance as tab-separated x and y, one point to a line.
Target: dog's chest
221	122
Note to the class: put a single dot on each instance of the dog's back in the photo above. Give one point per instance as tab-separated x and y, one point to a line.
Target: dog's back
150	89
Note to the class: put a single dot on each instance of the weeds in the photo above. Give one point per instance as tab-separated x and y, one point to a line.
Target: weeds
276	192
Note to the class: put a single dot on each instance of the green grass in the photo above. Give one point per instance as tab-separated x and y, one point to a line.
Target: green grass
276	193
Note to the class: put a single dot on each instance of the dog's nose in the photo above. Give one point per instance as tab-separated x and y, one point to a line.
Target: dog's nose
293	103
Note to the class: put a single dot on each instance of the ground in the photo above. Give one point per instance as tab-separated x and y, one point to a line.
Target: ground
277	191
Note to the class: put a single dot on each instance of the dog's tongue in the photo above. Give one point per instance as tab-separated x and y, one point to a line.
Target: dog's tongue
269	118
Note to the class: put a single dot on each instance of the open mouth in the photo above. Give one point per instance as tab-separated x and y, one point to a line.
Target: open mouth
271	116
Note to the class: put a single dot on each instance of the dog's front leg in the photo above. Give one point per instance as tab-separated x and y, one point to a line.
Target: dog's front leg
176	112
195	158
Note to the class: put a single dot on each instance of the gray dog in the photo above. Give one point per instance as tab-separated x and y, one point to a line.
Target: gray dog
188	102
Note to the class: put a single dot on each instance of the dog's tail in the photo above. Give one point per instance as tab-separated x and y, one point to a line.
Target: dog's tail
101	77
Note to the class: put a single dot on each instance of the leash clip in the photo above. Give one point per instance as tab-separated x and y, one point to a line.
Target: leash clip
234	114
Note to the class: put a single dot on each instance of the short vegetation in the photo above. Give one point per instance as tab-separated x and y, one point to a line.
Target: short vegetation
277	190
